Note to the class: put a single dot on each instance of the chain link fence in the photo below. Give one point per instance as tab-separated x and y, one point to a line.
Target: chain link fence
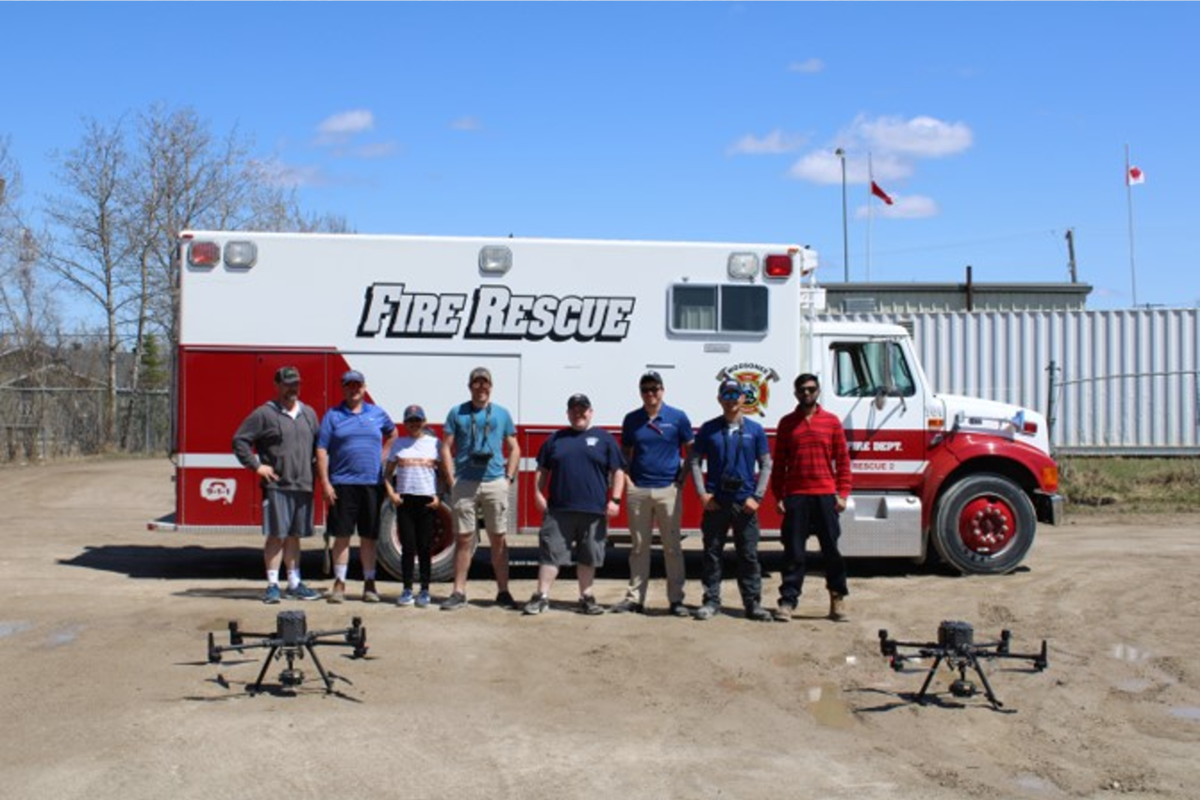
45	423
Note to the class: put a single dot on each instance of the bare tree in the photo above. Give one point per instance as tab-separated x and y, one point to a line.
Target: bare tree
92	248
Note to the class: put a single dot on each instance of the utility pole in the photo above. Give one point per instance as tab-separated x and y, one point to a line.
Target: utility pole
841	154
1071	254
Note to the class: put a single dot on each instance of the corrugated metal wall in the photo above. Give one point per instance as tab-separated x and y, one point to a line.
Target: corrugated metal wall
1125	382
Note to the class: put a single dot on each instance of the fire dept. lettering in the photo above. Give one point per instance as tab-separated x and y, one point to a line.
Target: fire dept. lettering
499	314
388	309
494	313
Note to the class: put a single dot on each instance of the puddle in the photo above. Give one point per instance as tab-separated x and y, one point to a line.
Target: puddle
64	636
827	707
1034	783
1125	652
10	627
1186	712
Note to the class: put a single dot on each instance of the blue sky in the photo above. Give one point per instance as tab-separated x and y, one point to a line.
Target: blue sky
995	127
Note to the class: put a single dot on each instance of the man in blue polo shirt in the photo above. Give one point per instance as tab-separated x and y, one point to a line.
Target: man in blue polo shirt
731	492
354	439
653	438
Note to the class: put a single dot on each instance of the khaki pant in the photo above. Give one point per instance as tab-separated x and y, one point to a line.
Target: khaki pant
648	507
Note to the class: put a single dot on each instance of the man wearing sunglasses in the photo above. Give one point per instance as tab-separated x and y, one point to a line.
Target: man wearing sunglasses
811	484
733	448
653	438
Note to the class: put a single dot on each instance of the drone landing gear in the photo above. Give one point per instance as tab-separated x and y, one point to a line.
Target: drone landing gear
290	641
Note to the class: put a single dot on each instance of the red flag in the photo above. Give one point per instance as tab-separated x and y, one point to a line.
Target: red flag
1135	176
880	193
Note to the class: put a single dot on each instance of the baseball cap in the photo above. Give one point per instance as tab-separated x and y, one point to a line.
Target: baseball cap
480	372
730	389
352	376
578	400
414	412
287	375
650	376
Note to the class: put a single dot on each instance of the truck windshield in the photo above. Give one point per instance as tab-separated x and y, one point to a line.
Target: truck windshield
865	369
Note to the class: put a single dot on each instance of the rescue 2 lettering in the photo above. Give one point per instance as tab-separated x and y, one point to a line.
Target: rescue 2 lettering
493	312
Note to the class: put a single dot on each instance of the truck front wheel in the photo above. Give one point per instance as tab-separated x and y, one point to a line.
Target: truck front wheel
388	551
984	524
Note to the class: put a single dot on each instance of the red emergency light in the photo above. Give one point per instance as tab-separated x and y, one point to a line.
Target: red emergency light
778	266
204	254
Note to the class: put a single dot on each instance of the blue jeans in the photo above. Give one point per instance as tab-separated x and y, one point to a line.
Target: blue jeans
715	526
805	514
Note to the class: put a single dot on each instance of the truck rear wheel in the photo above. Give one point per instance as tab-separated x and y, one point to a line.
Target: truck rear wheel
388	551
984	524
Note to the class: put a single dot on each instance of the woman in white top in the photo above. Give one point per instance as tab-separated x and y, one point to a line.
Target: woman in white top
411	479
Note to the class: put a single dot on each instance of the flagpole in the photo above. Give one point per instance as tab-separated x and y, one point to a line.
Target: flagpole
1129	201
870	212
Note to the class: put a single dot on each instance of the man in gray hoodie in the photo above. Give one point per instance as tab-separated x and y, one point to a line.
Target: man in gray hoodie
279	442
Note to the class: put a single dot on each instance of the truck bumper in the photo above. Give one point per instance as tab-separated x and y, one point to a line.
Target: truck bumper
1049	507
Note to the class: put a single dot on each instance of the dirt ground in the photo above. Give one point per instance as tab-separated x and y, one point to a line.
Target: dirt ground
108	695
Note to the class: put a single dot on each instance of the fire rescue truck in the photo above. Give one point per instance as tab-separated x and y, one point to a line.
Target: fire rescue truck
967	478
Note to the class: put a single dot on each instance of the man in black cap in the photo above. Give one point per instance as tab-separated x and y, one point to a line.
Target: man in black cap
583	470
279	441
656	440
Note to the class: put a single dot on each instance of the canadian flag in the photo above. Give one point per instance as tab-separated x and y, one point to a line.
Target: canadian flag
1135	176
880	193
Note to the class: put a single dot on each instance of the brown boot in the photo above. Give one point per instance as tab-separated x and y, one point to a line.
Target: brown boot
837	607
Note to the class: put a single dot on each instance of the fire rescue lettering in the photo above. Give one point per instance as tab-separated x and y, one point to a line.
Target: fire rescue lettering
493	312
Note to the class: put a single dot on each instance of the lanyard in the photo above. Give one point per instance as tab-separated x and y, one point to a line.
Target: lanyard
486	422
737	456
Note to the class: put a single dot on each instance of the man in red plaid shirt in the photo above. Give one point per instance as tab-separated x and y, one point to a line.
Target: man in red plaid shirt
811	482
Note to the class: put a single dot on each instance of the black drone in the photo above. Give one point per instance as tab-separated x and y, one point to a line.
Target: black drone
956	646
290	640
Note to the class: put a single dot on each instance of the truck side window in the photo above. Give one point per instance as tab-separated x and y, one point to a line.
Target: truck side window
865	369
718	309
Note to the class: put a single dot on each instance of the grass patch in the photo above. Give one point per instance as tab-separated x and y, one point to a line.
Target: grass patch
1165	485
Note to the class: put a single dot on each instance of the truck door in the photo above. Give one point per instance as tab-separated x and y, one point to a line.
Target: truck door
872	388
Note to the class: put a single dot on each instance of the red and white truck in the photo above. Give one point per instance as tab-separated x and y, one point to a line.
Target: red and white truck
969	477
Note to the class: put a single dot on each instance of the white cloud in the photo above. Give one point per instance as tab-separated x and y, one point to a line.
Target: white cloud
277	173
919	137
904	207
809	66
774	143
895	147
347	123
467	123
825	166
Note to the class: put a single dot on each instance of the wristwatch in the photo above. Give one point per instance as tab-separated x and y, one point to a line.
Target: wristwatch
615	500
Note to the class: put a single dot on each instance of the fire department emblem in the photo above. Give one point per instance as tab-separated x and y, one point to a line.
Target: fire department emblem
756	381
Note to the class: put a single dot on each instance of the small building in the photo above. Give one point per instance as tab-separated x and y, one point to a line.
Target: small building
911	298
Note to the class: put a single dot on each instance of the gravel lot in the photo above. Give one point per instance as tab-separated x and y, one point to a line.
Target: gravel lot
102	645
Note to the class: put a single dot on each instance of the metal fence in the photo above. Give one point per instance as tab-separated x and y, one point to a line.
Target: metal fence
1110	382
45	423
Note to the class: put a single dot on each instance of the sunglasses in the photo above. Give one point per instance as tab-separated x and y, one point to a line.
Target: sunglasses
809	389
651	389
731	395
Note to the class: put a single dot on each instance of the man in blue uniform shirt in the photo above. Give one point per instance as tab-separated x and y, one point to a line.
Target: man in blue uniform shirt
653	439
731	493
581	466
